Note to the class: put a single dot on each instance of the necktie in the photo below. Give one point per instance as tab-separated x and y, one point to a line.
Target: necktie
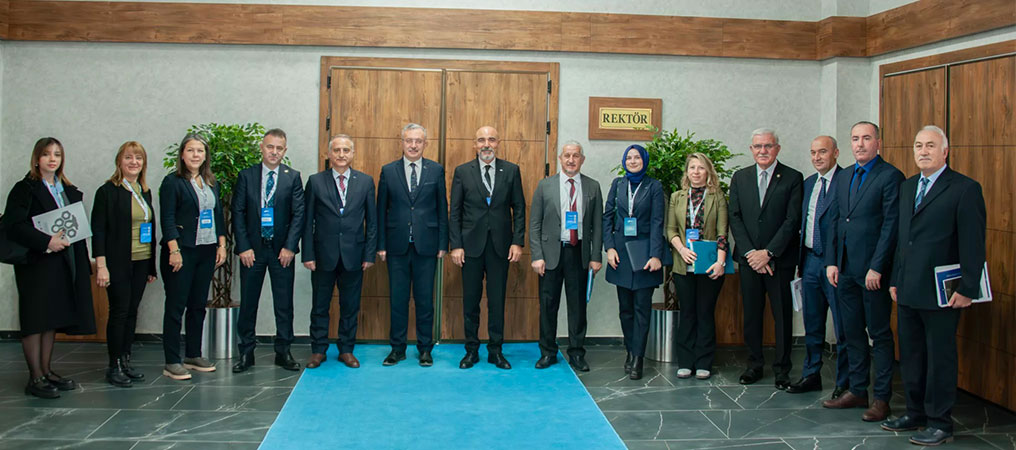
490	183
573	239
342	191
763	183
269	232
816	234
855	184
920	194
412	178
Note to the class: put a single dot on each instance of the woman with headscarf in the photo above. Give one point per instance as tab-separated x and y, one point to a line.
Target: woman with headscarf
633	237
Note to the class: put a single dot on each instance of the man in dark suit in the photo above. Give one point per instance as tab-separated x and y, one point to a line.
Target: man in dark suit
566	238
819	295
765	218
412	210
267	225
339	243
942	222
487	218
865	214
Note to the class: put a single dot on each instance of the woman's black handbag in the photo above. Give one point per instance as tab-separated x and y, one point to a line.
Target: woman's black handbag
10	252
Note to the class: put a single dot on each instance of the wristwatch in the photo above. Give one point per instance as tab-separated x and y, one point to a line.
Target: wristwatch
769	253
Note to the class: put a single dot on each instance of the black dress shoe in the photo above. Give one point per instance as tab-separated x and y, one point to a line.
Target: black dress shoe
627	362
782	381
839	391
546	361
472	357
497	359
931	436
285	361
578	362
425	359
806	384
245	362
394	357
750	376
61	383
636	369
903	423
115	375
41	387
130	371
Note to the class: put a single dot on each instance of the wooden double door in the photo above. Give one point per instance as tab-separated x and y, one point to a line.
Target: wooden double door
372	99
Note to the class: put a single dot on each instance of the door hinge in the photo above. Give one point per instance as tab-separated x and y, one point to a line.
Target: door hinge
328	123
329	84
548	127
549	84
546	169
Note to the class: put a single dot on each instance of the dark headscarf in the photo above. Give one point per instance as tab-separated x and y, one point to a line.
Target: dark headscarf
635	177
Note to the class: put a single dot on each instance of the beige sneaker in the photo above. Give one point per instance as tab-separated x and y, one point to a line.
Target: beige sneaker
199	364
176	371
702	374
684	373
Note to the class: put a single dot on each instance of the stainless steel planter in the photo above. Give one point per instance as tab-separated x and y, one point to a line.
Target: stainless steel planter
219	339
662	327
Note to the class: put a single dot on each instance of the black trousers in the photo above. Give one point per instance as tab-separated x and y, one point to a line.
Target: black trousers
412	272
572	273
634	307
323	283
124	294
863	310
696	327
186	294
928	363
495	268
754	287
252	279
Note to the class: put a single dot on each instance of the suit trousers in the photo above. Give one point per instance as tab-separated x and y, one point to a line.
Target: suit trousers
928	363
634	307
415	272
496	270
124	294
696	327
252	279
863	309
186	290
820	297
572	274
754	287
323	283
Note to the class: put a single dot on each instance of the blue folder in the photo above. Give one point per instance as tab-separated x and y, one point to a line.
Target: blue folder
706	256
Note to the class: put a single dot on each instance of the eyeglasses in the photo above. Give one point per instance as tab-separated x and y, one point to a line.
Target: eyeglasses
761	146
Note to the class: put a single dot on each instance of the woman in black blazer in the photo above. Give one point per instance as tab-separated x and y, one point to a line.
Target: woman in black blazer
634	214
123	244
193	245
54	286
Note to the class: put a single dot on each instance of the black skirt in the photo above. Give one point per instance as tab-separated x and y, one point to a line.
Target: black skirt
50	305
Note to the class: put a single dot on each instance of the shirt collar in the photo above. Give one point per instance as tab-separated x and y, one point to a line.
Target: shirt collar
485	164
931	178
406	162
829	175
265	170
867	166
565	177
335	173
770	170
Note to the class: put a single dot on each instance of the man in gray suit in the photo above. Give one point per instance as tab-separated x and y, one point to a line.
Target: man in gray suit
565	235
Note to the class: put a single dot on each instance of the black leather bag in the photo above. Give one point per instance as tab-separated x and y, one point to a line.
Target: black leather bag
10	252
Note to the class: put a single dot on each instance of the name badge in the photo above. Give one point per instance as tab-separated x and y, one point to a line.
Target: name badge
631	227
488	200
205	220
268	216
571	220
146	233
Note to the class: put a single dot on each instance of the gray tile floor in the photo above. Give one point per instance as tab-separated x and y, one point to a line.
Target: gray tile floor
221	410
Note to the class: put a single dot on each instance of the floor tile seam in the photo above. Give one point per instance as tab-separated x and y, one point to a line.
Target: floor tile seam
182	397
102	424
725	435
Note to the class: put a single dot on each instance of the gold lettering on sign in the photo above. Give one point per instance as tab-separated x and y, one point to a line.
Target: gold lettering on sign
625	118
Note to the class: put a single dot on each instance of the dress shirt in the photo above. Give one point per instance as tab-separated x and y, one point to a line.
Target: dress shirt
769	175
867	169
809	225
566	203
342	192
931	181
409	172
264	182
493	173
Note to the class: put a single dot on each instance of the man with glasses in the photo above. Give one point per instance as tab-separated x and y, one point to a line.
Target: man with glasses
412	212
487	218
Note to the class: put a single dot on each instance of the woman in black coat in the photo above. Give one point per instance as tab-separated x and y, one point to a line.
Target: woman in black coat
123	240
193	245
54	286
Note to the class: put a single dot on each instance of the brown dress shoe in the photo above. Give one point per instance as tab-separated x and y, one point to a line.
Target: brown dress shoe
847	400
349	360
315	360
878	412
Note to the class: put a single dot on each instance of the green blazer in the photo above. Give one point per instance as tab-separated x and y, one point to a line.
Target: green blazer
715	224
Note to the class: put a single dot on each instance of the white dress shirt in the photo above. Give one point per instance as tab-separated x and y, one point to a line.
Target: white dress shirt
264	182
566	203
931	182
769	176
809	225
493	174
335	178
409	172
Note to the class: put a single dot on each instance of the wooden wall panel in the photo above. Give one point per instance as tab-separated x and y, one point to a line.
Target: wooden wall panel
5	17
841	36
983	164
743	38
981	371
730	315
909	102
982	96
928	21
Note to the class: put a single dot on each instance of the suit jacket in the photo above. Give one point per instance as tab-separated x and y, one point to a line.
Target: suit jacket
714	225
289	209
824	222
330	235
648	213
179	208
947	228
113	227
545	221
426	210
471	219
864	228
773	225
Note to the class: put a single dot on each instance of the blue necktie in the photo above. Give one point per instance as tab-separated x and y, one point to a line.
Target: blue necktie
816	240
920	194
269	232
855	184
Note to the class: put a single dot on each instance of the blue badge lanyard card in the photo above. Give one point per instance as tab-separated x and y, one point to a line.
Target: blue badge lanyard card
145	235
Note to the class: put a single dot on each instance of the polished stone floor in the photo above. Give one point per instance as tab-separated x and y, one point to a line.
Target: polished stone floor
221	410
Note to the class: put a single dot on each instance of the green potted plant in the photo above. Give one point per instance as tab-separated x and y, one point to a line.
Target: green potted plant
232	148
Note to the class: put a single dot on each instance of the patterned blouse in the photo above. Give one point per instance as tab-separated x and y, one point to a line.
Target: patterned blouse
698	194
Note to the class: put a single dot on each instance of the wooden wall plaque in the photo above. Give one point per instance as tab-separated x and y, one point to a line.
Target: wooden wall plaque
624	119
